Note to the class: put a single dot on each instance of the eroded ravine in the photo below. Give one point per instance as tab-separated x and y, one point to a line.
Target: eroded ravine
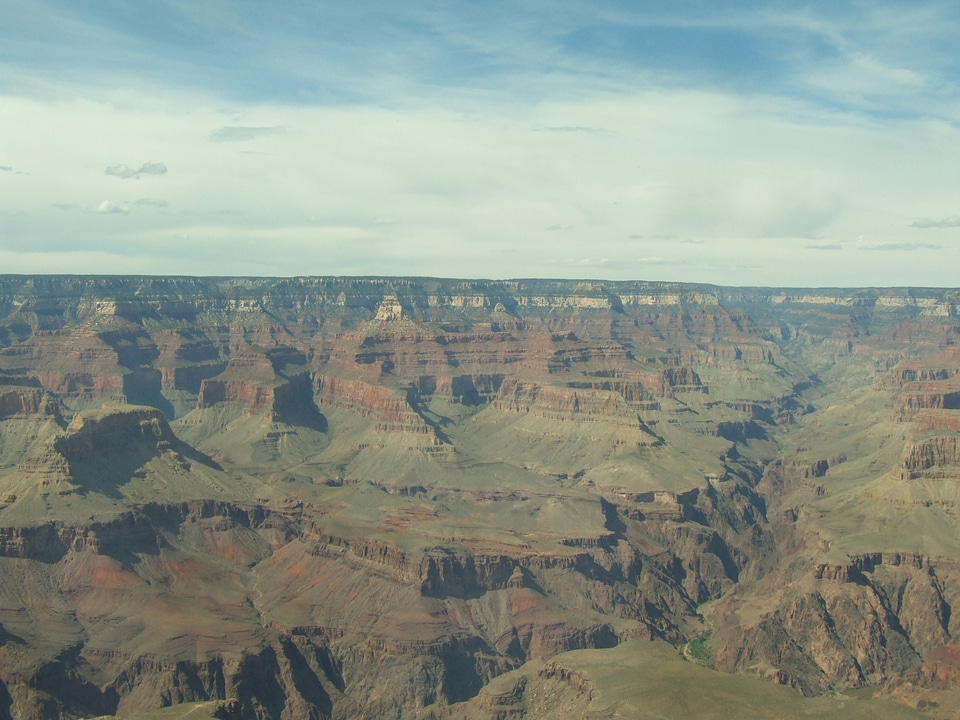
346	498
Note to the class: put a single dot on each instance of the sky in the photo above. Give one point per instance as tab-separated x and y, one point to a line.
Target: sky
770	143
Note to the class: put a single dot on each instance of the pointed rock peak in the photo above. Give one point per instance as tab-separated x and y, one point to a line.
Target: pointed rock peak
390	309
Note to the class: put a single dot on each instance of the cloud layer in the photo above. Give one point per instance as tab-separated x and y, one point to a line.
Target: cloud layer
948	222
711	144
126	173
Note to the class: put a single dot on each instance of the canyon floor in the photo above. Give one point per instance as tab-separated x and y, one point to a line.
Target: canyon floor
402	497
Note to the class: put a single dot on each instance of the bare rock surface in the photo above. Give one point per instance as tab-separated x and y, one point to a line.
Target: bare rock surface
389	497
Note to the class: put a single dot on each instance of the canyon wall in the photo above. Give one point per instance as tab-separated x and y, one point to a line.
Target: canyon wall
349	497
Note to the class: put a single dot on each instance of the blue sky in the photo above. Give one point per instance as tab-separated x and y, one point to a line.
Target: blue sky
756	143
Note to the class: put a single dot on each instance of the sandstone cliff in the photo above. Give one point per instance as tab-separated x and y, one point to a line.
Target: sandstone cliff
374	497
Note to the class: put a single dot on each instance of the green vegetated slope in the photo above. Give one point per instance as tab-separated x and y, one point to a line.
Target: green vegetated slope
649	681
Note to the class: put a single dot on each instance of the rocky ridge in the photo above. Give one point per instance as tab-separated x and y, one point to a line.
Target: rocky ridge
345	497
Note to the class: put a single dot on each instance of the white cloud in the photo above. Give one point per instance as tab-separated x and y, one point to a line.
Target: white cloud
454	189
126	173
108	207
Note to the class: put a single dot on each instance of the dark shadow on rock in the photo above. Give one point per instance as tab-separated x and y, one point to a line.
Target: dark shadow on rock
305	415
191	453
740	432
105	452
305	680
465	668
611	518
7	636
258	686
294	404
127	537
63	678
143	387
331	667
6	702
284	358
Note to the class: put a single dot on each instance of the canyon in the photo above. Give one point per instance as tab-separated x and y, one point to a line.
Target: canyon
278	498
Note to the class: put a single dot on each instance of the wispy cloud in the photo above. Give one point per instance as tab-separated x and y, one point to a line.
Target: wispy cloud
927	223
127	173
580	262
108	207
575	129
732	143
239	133
902	246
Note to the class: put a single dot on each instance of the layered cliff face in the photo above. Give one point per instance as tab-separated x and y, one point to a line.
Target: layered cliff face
326	497
865	526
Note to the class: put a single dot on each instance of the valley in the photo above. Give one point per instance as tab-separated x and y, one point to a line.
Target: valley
415	497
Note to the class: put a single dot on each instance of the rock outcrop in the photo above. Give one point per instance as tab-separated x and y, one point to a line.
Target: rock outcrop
346	497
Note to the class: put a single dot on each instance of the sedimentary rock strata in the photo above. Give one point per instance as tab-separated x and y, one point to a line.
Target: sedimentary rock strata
344	497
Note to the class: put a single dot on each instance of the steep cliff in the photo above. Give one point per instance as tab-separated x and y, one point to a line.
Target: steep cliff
349	497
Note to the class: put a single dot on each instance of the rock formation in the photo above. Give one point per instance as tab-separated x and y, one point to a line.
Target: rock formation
388	497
